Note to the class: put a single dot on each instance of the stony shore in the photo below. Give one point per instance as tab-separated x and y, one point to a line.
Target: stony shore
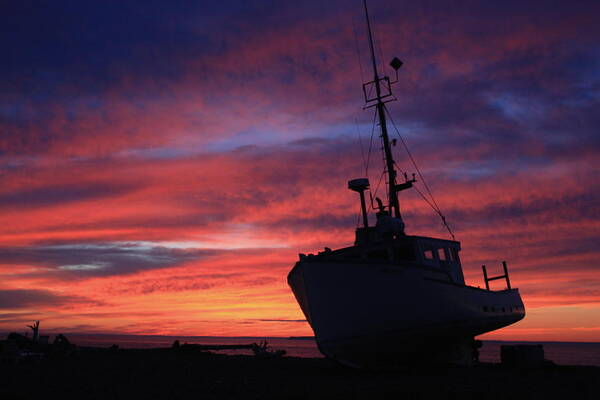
172	374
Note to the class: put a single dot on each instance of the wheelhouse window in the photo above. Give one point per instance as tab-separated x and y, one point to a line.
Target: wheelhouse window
442	254
454	252
428	255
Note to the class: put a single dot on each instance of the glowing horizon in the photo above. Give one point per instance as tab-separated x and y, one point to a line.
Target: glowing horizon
162	172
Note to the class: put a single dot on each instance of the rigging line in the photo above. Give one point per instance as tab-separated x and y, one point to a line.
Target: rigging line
436	209
362	151
418	191
380	48
385	170
433	203
377	48
399	169
412	159
426	199
362	78
370	145
438	212
376	189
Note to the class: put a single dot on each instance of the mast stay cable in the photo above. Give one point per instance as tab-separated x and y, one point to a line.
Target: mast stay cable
362	79
362	150
370	144
433	204
377	188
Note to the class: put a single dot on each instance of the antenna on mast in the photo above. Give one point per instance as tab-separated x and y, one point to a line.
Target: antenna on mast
383	94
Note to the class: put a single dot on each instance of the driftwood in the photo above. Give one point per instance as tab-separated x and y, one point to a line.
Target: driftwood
36	329
260	349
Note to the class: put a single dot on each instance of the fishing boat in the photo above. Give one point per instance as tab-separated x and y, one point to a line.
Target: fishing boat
393	298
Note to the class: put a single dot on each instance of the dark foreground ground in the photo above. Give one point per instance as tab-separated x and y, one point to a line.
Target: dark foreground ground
169	374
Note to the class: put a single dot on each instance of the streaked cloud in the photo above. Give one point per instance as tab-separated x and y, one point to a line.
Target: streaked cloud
160	172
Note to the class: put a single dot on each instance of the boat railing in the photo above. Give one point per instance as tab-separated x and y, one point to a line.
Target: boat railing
488	279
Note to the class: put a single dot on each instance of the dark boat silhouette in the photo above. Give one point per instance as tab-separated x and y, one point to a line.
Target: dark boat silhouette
394	298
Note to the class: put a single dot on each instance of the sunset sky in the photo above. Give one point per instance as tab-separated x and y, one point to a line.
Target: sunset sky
162	163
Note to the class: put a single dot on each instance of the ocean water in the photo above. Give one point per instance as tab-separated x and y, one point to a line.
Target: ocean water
562	353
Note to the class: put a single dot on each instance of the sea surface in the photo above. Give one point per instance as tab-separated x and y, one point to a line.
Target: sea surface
562	353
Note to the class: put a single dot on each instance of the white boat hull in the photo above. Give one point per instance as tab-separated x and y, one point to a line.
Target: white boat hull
366	314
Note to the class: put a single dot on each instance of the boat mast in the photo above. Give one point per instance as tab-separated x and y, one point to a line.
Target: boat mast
394	205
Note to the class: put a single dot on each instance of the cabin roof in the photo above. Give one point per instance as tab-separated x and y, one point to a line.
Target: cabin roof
433	240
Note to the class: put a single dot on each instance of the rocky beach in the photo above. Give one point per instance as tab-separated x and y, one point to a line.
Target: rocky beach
169	373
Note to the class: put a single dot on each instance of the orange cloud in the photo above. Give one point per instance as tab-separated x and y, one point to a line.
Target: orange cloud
175	203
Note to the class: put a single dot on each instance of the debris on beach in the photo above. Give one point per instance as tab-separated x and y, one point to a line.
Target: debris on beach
262	350
22	348
259	349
